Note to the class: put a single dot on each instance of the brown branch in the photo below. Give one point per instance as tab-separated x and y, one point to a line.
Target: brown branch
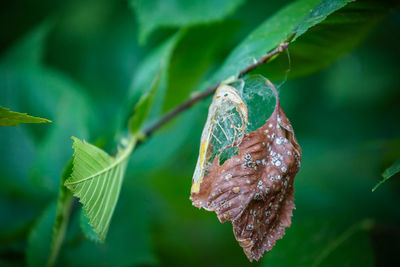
264	59
197	97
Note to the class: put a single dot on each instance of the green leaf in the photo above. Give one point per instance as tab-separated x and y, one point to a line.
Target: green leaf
154	14
265	37
316	47
47	93
389	172
96	180
11	118
146	78
319	14
142	108
196	57
392	170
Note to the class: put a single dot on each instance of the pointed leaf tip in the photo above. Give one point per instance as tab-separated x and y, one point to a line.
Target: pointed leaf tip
11	118
388	173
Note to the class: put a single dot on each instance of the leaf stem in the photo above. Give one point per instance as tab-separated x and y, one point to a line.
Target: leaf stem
60	227
206	93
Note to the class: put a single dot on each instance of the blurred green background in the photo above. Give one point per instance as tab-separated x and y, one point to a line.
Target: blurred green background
74	62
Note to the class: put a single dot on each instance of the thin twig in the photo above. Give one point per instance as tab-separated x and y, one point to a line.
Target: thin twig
264	59
197	97
185	105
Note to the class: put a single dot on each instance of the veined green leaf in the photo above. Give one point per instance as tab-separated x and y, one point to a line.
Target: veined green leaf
96	180
153	14
11	118
389	172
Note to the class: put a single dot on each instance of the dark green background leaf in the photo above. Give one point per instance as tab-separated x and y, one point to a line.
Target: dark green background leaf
180	13
143	107
265	37
152	75
331	38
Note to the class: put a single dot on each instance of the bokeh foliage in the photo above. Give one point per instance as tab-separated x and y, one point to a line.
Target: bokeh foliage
81	65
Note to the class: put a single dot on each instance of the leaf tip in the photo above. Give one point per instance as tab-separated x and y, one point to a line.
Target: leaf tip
43	120
376	186
76	142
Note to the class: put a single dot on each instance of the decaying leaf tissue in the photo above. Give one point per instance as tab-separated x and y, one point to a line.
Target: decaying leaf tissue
246	176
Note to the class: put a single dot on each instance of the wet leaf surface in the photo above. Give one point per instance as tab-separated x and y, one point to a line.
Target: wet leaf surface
253	189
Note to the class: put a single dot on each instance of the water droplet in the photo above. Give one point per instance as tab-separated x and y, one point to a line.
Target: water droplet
228	177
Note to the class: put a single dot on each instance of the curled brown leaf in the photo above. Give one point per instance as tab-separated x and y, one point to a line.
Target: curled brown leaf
254	189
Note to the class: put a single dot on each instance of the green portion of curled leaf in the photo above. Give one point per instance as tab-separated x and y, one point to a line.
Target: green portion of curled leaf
96	180
11	118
